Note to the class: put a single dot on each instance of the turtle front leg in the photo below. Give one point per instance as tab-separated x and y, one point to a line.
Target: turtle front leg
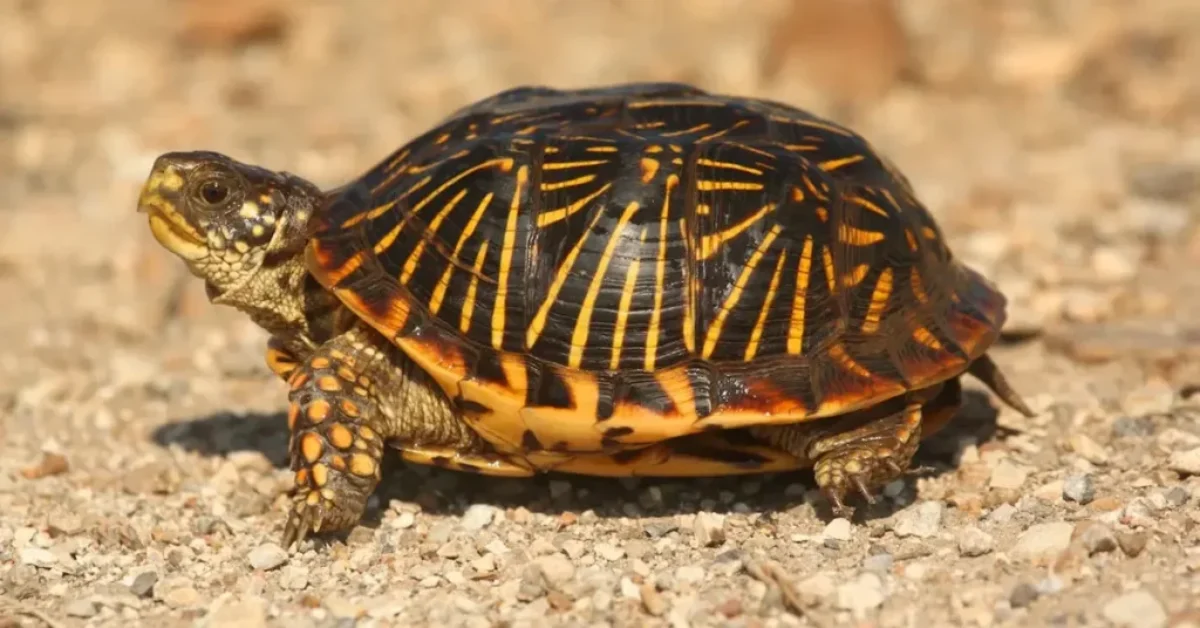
352	396
337	435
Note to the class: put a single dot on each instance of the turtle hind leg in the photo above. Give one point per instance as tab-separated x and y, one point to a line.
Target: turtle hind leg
861	452
865	459
348	399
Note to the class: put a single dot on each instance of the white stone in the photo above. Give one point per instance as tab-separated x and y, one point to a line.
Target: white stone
861	594
477	516
921	521
1042	542
267	556
1137	609
839	529
1187	462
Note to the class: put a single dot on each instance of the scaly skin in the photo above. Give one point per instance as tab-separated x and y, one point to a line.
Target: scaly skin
243	230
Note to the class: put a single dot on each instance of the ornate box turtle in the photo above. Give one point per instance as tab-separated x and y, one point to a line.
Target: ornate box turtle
641	279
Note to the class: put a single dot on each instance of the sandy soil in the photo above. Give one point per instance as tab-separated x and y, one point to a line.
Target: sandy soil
143	472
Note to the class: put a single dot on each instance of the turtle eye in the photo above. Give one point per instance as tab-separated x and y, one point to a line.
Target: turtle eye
213	192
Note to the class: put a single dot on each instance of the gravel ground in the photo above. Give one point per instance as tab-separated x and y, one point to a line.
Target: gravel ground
143	471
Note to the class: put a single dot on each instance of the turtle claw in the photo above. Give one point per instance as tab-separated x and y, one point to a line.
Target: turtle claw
304	518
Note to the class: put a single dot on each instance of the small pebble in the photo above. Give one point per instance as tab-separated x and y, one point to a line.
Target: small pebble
709	529
1079	488
1009	475
1023	595
1133	427
143	584
182	597
1002	514
38	557
1095	537
1137	609
922	521
477	516
1042	542
1177	496
556	569
267	556
839	529
879	563
975	542
608	551
659	528
1186	462
82	609
1132	543
861	594
689	574
652	601
1088	449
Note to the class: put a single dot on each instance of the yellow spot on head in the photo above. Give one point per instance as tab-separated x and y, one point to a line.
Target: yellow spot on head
250	209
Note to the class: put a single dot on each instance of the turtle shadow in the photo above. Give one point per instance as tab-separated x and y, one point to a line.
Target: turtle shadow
445	492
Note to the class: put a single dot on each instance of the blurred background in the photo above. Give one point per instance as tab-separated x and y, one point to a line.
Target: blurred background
1055	140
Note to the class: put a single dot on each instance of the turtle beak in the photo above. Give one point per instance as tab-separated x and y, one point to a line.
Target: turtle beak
160	199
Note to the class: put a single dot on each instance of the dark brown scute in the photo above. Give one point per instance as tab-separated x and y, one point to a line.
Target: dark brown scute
610	440
488	369
471	407
640	389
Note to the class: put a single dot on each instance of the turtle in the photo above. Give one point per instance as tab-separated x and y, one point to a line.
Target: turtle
633	279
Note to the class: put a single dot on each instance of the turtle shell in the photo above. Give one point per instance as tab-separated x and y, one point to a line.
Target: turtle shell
599	270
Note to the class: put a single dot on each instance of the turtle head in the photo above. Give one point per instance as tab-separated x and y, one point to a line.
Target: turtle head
225	219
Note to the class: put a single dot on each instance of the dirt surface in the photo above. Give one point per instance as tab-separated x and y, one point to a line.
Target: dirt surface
143	471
